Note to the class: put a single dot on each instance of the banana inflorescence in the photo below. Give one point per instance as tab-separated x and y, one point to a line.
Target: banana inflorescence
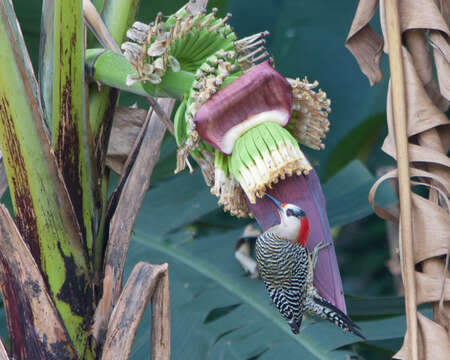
206	46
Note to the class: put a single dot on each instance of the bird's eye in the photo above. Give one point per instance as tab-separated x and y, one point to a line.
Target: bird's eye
289	212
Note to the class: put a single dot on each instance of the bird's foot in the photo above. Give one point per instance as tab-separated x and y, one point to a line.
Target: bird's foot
315	253
295	325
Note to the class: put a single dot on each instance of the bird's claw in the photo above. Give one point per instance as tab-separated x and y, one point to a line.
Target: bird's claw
315	254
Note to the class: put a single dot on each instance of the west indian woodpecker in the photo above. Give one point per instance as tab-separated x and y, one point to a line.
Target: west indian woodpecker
287	270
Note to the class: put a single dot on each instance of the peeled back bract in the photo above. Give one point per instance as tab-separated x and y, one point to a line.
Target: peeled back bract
262	94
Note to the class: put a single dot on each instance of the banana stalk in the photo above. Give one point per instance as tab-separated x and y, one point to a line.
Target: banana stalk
112	69
43	209
117	15
71	138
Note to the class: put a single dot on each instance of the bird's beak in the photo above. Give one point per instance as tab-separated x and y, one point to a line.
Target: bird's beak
275	201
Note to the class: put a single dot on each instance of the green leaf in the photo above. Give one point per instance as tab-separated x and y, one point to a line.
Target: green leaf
375	306
217	312
347	192
176	202
3	329
356	144
168	209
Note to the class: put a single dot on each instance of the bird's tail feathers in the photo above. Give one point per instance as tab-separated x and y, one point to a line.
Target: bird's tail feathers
326	310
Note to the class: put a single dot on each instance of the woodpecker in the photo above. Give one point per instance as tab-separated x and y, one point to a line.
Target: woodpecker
287	270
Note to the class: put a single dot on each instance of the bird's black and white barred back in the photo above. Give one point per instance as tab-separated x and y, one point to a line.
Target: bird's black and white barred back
284	273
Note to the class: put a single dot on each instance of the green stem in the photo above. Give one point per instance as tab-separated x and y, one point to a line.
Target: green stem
70	131
112	69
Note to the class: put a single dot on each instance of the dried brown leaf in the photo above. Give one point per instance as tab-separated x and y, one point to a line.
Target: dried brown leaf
426	99
422	114
429	288
160	332
3	353
126	127
123	208
364	43
130	308
433	341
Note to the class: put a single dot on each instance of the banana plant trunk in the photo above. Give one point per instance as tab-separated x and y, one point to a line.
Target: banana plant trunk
51	255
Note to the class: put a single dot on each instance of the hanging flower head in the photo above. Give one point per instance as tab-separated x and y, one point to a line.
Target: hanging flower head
240	119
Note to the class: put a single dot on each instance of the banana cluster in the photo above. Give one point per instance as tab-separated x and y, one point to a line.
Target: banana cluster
148	51
183	41
227	188
264	155
309	121
210	77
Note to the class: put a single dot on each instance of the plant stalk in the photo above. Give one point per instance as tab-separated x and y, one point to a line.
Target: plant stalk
401	137
112	69
117	18
43	210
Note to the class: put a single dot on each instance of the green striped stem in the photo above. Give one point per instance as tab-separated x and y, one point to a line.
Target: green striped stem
63	34
43	210
118	16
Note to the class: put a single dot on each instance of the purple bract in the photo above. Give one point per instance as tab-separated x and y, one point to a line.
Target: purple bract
261	94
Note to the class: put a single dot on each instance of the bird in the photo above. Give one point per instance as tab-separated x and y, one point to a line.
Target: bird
287	269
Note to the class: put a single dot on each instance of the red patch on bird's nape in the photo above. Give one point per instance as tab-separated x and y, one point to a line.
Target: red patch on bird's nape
283	205
304	231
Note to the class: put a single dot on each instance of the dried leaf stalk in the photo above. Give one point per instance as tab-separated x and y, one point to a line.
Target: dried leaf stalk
424	27
124	205
145	282
401	137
